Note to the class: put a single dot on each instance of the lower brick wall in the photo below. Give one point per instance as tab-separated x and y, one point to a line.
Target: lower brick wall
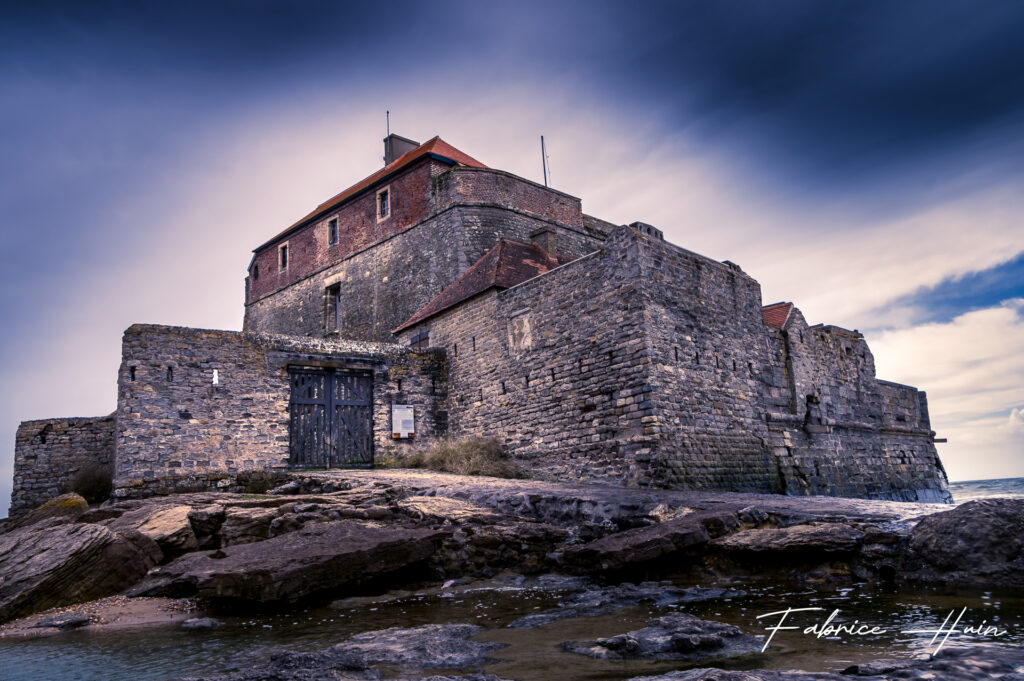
48	453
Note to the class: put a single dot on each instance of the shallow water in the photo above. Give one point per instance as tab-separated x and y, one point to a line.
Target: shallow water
161	652
982	489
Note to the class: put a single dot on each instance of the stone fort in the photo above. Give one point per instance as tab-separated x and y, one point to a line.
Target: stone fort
441	297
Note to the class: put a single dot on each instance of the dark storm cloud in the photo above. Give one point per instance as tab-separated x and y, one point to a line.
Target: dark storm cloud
839	91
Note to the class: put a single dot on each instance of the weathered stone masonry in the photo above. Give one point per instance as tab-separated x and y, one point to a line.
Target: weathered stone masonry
177	429
48	454
592	352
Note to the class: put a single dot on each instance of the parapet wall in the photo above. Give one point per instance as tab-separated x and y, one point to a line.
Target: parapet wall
48	453
388	273
178	429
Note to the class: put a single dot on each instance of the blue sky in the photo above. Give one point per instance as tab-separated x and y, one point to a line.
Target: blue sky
861	159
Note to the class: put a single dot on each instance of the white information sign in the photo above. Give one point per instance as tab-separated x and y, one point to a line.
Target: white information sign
403	421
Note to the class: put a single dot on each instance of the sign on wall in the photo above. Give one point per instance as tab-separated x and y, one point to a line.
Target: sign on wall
403	421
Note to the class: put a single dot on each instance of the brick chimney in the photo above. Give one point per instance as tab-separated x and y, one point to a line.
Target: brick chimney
395	146
545	238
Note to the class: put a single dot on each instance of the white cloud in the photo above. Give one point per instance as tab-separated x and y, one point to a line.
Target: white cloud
973	371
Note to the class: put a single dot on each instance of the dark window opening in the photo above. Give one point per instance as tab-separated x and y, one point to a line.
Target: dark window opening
675	352
283	257
170	374
420	340
255	272
332	308
527	377
399	385
474	343
696	357
131	373
383	204
552	374
455	349
503	391
332	232
734	365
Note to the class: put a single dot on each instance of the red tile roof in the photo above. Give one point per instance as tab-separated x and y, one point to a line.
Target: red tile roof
506	265
777	314
435	146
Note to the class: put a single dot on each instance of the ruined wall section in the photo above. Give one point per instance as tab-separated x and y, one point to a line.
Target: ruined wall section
709	365
842	432
49	453
383	284
556	368
177	430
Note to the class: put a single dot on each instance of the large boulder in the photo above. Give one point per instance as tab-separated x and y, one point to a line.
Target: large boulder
246	525
673	637
63	509
46	567
169	527
979	543
321	557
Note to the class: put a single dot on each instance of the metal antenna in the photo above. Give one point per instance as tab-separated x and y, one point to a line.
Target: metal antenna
387	119
544	160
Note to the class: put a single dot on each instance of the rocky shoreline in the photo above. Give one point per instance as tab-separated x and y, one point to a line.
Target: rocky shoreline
329	535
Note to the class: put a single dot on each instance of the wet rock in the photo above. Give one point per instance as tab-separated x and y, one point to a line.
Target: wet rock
169	527
201	623
63	509
318	558
246	525
979	543
950	664
673	637
64	621
66	564
645	544
595	601
428	646
814	539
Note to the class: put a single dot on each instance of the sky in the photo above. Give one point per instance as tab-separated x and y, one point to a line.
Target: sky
862	159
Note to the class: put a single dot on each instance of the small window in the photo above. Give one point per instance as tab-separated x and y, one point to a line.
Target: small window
332	308
332	231
255	272
420	340
383	203
282	259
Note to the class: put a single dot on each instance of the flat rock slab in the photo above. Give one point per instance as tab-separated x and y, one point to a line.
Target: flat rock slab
48	567
425	647
673	637
318	558
812	539
596	601
645	544
169	527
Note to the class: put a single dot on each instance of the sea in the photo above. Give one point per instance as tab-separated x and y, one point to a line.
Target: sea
968	490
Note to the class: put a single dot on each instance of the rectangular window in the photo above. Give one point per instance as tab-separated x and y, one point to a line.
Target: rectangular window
255	272
282	256
383	203
420	340
332	308
332	231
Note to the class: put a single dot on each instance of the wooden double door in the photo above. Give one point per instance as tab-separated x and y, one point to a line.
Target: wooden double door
331	424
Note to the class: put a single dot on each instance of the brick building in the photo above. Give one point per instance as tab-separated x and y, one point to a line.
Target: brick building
440	296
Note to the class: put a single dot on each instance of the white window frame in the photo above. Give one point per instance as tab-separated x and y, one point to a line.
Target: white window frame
391	203
283	263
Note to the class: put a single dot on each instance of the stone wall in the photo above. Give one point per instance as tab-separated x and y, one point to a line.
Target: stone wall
555	368
177	430
48	454
646	364
706	338
389	279
835	429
